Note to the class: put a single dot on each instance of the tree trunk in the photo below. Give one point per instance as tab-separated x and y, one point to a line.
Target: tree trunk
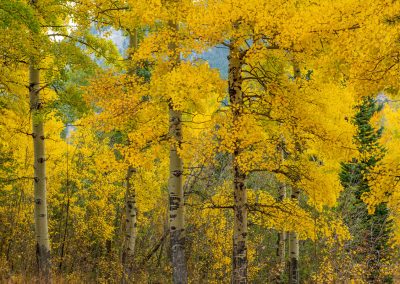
175	185
239	257
281	242
293	239
130	194
282	235
130	223
239	262
41	226
294	248
176	199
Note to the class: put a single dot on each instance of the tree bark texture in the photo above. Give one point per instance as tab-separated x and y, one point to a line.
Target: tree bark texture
176	200
239	256
39	165
175	184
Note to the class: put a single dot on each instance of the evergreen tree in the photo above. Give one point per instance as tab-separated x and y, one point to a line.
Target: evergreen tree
372	232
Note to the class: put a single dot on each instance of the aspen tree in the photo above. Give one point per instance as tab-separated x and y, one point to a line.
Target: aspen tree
130	223
31	47
130	194
239	254
176	200
41	226
293	237
39	166
175	182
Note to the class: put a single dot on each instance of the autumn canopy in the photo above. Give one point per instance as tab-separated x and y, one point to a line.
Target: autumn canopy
199	141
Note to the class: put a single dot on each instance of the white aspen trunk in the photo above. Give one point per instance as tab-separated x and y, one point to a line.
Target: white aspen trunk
41	226
130	196
176	200
239	254
130	225
175	184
